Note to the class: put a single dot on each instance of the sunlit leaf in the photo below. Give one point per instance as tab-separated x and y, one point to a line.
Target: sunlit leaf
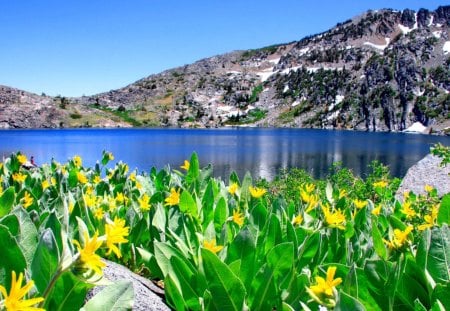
114	297
6	201
227	290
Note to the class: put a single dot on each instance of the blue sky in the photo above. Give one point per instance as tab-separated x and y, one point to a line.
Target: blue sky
77	47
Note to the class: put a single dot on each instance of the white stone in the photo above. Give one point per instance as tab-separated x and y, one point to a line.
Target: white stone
446	47
417	128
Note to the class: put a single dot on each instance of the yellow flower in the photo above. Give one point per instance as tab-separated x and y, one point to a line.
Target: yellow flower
429	219
45	184
377	210
19	177
27	200
312	203
380	184
238	218
88	258
324	287
112	204
77	161
399	239
71	207
428	188
97	179
90	200
308	187
173	198
99	213
211	245
342	193
334	219
138	185
22	159
297	220
53	181
407	210
144	202
132	177
115	233
110	156
359	203
14	301
233	188
120	197
257	192
81	178
406	195
186	165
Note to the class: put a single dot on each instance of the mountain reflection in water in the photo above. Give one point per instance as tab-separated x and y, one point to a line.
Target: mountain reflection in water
262	152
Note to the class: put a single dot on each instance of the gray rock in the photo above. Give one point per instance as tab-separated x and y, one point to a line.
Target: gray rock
147	296
426	172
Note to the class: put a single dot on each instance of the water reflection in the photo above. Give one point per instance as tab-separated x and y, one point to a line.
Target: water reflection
262	152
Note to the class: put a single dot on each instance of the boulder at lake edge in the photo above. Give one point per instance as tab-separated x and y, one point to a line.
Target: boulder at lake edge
145	292
426	172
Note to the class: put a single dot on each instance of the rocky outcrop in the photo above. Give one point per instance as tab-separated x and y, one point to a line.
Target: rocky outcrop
147	296
426	172
381	71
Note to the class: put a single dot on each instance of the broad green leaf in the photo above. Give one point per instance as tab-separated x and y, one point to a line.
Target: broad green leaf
6	201
243	248
441	293
418	306
73	178
12	223
273	234
115	297
246	182
220	214
208	204
309	248
28	236
45	260
347	302
433	253
265	289
194	169
12	258
444	210
187	204
68	294
412	284
173	296
378	243
187	281
227	290
350	285
163	253
264	292
258	215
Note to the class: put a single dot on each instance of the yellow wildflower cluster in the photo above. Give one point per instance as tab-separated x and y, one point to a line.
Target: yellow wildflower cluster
115	234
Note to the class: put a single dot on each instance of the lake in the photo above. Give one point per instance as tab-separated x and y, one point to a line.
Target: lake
261	151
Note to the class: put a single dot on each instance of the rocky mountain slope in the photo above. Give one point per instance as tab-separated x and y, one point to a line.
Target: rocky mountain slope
381	71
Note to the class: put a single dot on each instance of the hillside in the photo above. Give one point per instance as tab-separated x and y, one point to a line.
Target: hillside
381	71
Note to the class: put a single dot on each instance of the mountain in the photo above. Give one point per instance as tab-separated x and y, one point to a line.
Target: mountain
381	71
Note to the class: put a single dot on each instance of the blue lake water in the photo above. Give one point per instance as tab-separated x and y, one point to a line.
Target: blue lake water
262	152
